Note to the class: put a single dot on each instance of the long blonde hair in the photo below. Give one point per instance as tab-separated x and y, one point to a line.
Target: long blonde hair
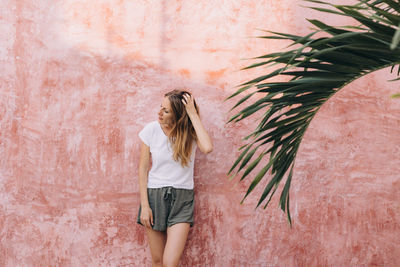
182	134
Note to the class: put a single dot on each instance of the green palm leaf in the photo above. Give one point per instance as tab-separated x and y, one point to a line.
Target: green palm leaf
317	68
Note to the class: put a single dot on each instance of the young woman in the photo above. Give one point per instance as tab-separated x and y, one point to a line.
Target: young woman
166	191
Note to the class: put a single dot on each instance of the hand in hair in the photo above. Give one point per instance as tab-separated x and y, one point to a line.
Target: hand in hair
188	101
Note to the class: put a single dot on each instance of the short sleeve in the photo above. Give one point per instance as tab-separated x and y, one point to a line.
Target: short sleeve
146	134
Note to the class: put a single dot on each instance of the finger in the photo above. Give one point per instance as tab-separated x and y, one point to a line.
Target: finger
184	101
151	221
143	222
188	99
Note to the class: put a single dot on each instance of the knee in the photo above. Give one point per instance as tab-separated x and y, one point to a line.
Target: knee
157	262
170	262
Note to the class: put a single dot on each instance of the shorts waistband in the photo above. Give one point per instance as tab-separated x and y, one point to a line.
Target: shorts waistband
169	191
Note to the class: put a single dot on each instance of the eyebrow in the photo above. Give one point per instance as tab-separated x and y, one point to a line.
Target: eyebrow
164	107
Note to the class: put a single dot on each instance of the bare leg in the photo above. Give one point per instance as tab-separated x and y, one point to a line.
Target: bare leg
157	242
176	238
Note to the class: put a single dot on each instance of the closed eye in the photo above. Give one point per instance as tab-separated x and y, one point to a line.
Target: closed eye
164	109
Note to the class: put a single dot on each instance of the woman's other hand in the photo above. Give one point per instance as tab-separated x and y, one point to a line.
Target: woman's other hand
146	216
188	101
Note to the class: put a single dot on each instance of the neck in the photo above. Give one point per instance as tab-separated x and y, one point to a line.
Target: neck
166	129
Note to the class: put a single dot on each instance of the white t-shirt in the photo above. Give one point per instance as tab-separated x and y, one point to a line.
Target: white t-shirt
165	171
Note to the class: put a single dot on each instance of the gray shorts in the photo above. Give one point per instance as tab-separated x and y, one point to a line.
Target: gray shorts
170	206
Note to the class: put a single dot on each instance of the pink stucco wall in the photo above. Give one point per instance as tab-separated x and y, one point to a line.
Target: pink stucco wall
79	79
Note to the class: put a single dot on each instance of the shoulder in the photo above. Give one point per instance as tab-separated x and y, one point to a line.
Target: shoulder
151	128
148	132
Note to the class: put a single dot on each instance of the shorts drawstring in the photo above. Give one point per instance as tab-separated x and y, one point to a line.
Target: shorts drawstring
170	192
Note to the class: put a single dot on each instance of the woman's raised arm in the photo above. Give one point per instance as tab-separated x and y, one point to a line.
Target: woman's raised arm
204	141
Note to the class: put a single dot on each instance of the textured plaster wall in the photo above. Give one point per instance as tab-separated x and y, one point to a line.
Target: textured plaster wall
79	79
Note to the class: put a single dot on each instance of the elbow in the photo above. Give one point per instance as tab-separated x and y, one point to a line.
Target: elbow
208	149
